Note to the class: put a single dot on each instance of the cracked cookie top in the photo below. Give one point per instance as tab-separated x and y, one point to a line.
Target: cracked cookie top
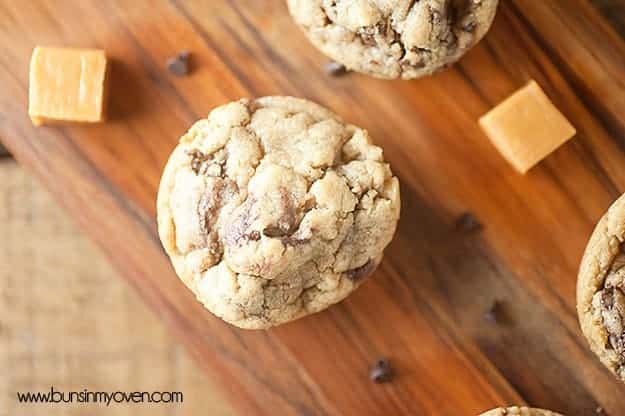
601	289
274	208
519	411
394	38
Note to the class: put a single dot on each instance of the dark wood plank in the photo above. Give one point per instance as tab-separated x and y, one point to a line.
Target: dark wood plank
424	307
614	12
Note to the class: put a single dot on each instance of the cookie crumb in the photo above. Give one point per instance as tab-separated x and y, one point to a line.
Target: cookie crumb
381	372
599	410
335	69
493	314
467	222
179	64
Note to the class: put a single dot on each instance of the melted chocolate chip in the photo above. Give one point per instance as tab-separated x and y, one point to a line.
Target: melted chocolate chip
208	204
198	160
361	272
367	35
294	241
218	192
611	309
281	229
286	223
273	232
237	231
417	49
276	232
607	298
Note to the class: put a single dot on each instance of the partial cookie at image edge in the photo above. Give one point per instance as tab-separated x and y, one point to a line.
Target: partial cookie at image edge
600	285
408	40
519	411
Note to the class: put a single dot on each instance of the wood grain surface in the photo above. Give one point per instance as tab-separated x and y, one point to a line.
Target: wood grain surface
424	307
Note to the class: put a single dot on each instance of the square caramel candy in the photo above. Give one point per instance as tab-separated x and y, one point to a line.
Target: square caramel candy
66	84
526	127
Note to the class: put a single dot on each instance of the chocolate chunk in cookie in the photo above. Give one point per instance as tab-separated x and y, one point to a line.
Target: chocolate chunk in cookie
361	272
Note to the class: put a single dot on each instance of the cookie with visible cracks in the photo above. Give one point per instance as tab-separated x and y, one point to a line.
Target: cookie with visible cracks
399	39
272	209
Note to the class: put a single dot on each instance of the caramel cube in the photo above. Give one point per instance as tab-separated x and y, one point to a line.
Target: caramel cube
526	127
66	85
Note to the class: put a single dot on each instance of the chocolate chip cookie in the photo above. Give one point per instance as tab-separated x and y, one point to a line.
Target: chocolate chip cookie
394	39
519	411
601	289
272	209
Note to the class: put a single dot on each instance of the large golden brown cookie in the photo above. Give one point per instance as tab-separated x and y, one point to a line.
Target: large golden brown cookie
274	208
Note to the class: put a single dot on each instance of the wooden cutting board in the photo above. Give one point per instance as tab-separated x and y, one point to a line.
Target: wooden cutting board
424	307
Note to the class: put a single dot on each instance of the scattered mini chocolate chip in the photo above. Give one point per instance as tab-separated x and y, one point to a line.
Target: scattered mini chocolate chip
179	64
493	314
335	69
468	223
381	372
254	236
